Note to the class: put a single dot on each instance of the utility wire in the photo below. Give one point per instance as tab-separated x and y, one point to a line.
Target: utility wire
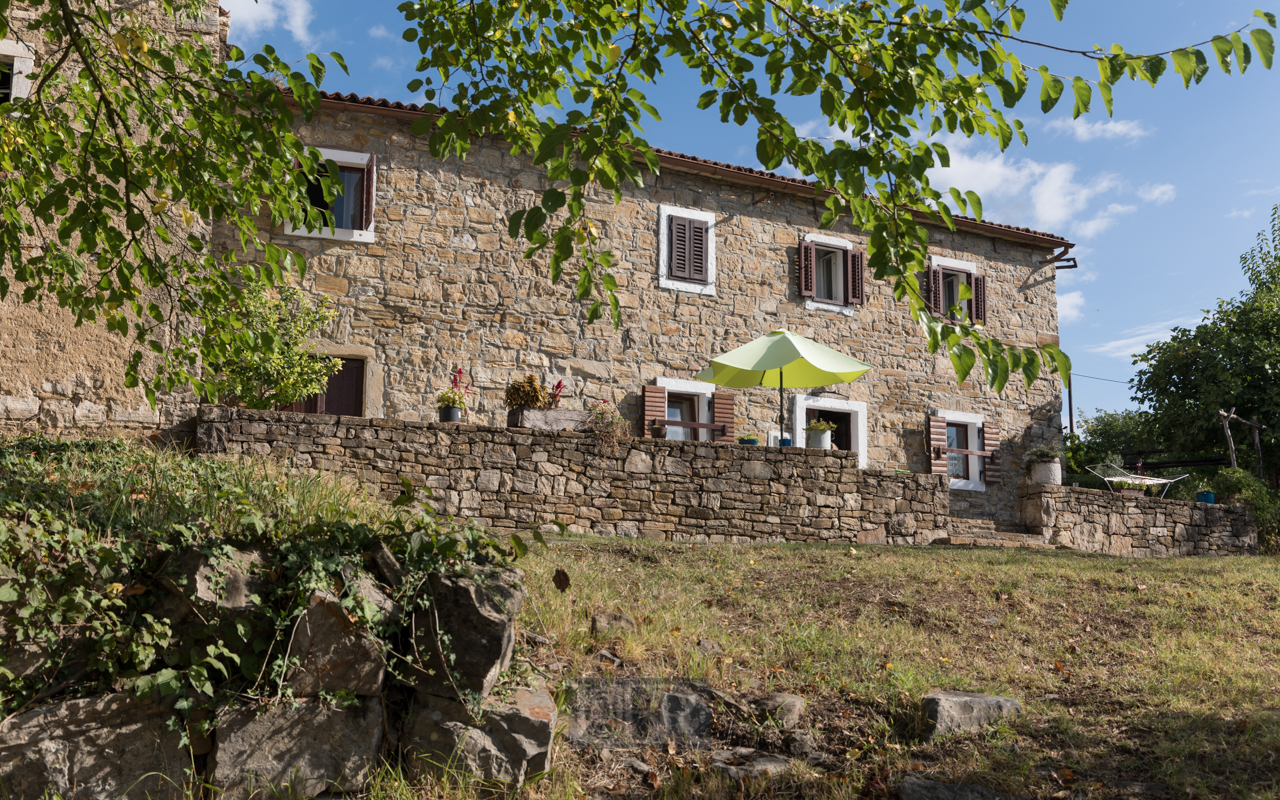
1090	377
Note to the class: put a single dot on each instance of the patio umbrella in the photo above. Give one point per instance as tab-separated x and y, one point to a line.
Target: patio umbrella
784	360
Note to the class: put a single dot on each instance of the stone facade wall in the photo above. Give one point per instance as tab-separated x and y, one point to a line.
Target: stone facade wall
444	287
1098	521
510	478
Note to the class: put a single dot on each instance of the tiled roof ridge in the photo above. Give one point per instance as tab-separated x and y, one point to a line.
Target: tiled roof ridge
694	162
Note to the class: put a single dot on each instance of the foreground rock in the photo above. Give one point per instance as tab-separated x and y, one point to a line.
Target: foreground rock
636	713
959	712
335	654
611	622
476	626
785	709
296	751
918	789
744	762
228	582
107	748
510	743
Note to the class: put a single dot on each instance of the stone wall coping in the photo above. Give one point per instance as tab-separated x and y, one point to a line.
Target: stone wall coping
1103	494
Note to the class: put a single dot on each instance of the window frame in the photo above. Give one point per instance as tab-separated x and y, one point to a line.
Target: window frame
665	213
955	266
22	59
701	391
962	431
353	159
802	402
825	242
974	423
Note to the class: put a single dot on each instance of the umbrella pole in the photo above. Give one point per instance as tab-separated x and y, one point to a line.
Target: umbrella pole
782	410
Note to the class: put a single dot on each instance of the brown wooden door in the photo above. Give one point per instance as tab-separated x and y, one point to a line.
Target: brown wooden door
344	394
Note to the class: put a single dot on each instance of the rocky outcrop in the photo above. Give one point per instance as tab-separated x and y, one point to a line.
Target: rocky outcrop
108	748
467	637
334	653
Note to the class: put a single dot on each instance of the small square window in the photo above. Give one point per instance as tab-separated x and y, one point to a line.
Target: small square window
348	207
6	81
684	408
951	283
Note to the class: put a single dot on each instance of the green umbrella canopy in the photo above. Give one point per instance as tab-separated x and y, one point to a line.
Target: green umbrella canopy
784	360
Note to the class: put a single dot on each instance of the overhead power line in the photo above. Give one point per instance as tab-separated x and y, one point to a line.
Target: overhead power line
1092	378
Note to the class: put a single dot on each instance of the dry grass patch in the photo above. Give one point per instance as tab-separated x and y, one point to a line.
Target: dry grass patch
1132	672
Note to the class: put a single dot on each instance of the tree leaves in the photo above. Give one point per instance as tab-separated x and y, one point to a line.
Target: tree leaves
1264	44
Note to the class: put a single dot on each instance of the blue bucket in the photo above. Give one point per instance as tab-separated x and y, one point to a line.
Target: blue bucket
1204	497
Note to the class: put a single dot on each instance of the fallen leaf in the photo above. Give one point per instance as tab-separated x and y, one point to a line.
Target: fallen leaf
1065	776
560	580
135	589
652	779
1057	666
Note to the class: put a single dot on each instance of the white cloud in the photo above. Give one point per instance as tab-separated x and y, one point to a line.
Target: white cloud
1071	307
1242	213
1070	277
380	32
1255	192
1085	131
1103	220
819	129
251	17
1135	340
1158	193
382	62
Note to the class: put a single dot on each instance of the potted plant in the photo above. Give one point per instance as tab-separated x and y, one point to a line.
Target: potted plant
747	437
452	400
1129	488
818	433
531	404
1044	466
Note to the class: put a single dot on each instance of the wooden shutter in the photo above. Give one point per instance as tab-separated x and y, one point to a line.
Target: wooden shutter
808	257
653	406
855	282
937	441
935	289
370	176
698	238
345	392
991	443
678	257
722	414
980	299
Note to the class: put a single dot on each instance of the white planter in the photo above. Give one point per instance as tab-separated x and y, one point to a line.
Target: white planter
1047	472
820	440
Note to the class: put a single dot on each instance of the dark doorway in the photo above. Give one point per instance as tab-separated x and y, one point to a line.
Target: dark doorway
842	436
344	394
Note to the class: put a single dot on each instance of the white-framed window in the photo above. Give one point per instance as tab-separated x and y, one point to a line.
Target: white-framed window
834	265
353	209
849	416
686	249
687	401
17	60
964	432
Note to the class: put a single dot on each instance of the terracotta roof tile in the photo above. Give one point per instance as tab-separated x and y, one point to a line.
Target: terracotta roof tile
693	162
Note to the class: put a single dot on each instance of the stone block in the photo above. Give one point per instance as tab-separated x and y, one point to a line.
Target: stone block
116	747
473	618
334	653
299	750
957	712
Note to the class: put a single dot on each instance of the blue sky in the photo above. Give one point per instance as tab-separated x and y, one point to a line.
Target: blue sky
1161	200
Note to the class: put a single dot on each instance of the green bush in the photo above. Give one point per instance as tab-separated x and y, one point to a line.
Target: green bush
1264	502
87	529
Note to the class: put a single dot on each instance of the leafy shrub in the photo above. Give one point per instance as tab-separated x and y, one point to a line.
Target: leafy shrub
1264	502
609	425
528	392
1041	455
820	425
87	529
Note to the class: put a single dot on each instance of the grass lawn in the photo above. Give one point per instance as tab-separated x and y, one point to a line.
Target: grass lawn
1136	676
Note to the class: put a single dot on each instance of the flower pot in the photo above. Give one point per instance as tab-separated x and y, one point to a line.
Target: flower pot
549	419
1047	472
1204	497
748	441
450	413
785	442
820	440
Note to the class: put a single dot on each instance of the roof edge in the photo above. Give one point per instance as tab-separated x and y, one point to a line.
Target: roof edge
740	175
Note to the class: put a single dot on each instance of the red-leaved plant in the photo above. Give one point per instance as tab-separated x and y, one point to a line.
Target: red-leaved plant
555	393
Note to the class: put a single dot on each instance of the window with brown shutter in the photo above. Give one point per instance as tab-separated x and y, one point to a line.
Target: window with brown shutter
722	413
980	299
344	394
805	273
991	443
855	284
687	257
936	441
370	178
653	402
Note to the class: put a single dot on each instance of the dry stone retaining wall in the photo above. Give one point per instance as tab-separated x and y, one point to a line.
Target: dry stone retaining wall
509	478
1097	521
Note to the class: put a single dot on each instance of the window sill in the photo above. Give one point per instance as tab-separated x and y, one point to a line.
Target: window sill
818	305
968	486
335	234
707	289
